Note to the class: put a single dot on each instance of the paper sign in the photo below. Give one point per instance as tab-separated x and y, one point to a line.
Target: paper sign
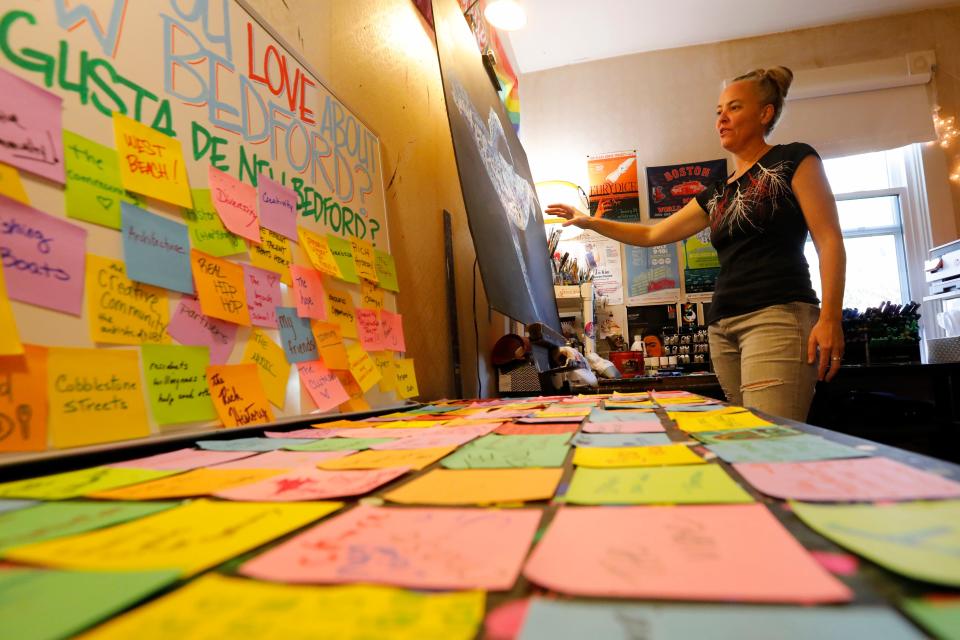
861	479
95	396
324	388
11	186
318	251
363	259
9	335
42	257
694	484
121	311
406	378
712	552
543	429
263	295
717	420
72	484
198	482
190	538
31	127
189	326
502	452
371	296
93	190
736	435
207	232
386	271
272	366
330	345
392	324
23	400
282	459
339	444
238	395
477	486
364	371
220	288
308	292
343	255
296	336
388	374
369	329
618	439
183	460
273	254
236	203
309	483
151	163
381	459
793	449
277	206
177	384
340	312
156	250
414	548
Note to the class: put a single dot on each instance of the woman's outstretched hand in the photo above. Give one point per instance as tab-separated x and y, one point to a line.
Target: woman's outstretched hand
569	214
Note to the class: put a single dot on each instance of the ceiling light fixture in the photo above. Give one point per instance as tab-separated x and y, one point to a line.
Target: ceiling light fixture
507	15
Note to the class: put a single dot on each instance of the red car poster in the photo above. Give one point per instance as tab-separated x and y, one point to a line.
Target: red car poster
672	186
613	181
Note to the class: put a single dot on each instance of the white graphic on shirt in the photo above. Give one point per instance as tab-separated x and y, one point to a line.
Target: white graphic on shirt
744	208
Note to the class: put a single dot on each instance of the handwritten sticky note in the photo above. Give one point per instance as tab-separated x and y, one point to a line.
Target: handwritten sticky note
388	374
616	426
503	452
177	384
9	335
618	439
272	366
647	456
23	400
156	250
363	259
730	418
338	444
207	232
95	396
190	326
151	163
736	435
251	444
541	428
43	257
322	385
318	251
93	190
278	459
31	127
121	311
296	336
371	296
369	329
236	203
693	484
381	459
238	395
392	324
343	256
477	486
406	377
309	483
11	185
386	271
277	206
362	368
793	449
196	482
263	295
184	460
220	288
340	311
308	292
330	345
356	401
72	484
190	538
273	253
937	613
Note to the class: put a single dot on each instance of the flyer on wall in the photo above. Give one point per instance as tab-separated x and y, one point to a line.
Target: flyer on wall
701	265
601	256
672	186
613	182
653	274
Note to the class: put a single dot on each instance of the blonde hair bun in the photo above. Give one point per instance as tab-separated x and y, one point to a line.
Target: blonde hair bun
782	77
772	86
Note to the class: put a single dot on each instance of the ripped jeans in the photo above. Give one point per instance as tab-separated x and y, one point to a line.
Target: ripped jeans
761	358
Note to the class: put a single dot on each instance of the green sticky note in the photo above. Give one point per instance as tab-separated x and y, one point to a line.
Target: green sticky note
41	605
691	484
343	255
502	452
207	232
386	271
940	615
801	448
55	519
915	539
93	190
72	484
733	435
177	383
250	444
339	444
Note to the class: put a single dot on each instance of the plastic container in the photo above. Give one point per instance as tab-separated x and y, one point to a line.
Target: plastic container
628	363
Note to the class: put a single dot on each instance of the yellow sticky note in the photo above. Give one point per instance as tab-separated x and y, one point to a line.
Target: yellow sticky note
364	371
9	336
388	375
11	185
190	538
364	259
198	482
121	311
220	288
411	424
414	458
340	311
73	484
330	345
95	396
406	378
238	395
477	486
151	163
730	418
650	456
371	296
273	254
356	402
318	252
271	363
23	400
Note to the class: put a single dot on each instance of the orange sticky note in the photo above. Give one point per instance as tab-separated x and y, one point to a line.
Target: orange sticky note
273	254
11	185
9	336
371	296
406	378
364	259
322	385
23	400
388	375
197	482
330	345
238	395
340	311
414	458
356	402
236	203
308	291
220	288
318	252
364	371
370	330
151	163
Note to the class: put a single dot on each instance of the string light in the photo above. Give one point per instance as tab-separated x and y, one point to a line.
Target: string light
947	135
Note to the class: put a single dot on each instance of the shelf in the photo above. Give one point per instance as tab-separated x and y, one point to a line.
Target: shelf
942	296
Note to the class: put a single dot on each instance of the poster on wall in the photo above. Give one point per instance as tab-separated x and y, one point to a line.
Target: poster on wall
613	182
672	186
601	257
653	274
701	265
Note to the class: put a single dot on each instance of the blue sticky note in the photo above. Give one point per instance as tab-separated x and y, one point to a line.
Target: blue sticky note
802	448
620	439
251	444
296	336
621	415
156	250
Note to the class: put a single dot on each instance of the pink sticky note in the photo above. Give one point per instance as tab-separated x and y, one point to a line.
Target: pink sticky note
450	438
506	621
392	331
841	564
309	293
182	460
415	548
43	257
31	128
189	326
322	385
704	552
369	329
278	207
856	479
519	429
309	432
263	295
310	483
285	459
236	203
622	427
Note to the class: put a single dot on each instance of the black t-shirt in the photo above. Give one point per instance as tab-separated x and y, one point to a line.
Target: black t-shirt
759	231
